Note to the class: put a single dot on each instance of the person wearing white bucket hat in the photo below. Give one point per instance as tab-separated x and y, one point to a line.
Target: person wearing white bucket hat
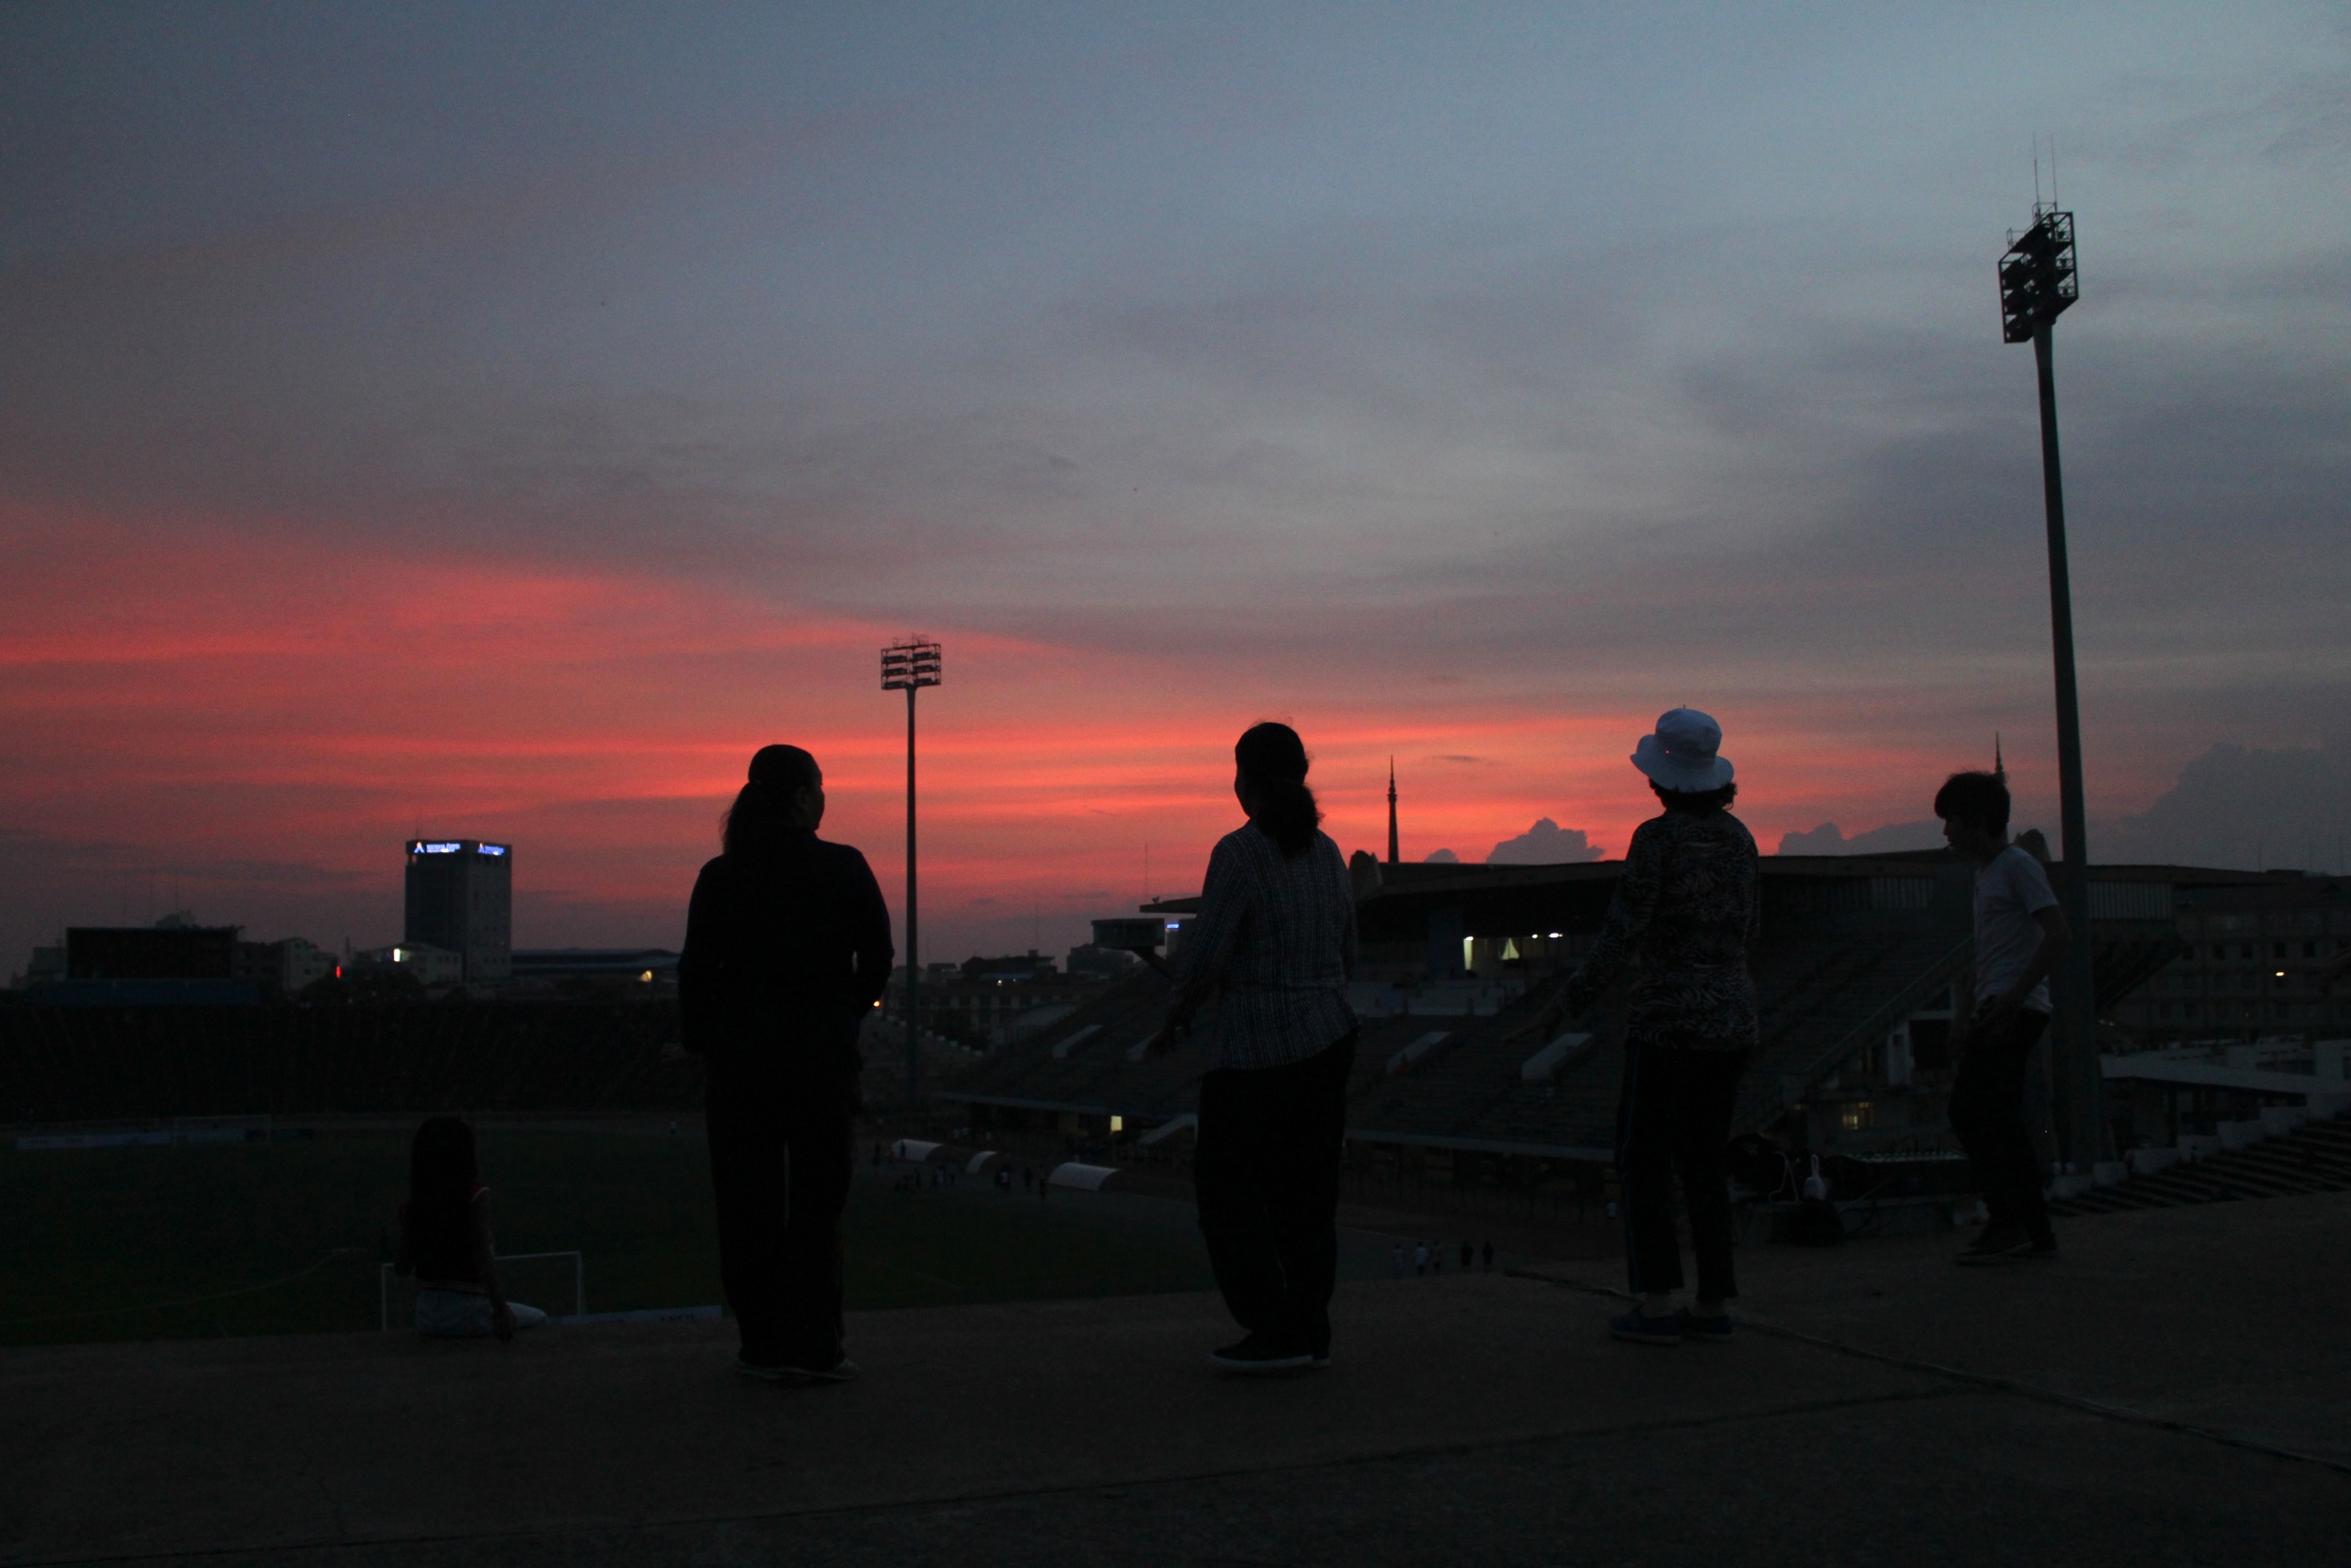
1682	917
1684	754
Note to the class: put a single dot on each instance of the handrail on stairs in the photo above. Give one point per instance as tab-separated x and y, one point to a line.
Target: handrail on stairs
1899	1006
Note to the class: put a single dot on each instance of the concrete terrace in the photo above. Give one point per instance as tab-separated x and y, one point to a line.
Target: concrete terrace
2142	1401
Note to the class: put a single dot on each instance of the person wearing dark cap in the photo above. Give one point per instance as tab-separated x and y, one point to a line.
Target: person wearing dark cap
1275	944
787	951
1685	913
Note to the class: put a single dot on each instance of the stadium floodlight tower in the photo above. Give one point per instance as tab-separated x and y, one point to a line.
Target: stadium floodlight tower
908	667
2038	280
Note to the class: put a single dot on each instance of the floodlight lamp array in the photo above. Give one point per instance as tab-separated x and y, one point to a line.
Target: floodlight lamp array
909	665
2038	279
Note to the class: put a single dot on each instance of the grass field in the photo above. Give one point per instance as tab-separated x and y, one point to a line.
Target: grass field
169	1243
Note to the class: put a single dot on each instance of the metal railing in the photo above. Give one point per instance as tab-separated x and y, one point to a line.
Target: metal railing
1761	1108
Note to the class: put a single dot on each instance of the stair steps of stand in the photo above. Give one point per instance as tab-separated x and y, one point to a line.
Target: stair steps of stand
2315	1157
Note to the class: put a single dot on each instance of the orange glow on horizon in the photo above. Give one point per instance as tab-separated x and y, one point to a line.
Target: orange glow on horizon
233	693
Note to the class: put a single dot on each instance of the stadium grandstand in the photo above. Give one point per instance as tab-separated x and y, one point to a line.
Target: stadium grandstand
1854	969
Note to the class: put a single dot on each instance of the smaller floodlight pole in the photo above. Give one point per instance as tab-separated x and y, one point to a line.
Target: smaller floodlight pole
2038	280
908	667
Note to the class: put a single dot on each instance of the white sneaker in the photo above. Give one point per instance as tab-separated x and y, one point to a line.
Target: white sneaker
842	1371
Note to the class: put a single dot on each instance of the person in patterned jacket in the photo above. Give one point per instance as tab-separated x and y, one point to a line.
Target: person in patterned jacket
1682	919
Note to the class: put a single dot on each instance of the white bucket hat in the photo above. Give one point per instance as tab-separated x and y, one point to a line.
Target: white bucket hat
1681	753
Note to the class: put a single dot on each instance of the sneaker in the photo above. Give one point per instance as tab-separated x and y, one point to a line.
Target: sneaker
1715	1329
1253	1356
764	1371
1638	1327
1995	1246
2045	1248
840	1369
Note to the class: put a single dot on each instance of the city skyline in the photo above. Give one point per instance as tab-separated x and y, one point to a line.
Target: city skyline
502	423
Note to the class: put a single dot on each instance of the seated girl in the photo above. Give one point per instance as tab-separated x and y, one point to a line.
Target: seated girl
445	1241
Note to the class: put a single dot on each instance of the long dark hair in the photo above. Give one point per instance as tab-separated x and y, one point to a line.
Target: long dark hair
762	807
1272	760
442	1171
1697	802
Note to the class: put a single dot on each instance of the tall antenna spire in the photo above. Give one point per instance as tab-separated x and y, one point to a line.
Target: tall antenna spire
2000	768
1394	856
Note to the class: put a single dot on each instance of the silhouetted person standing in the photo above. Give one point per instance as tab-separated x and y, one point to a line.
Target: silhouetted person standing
2002	1013
787	950
1687	910
1274	941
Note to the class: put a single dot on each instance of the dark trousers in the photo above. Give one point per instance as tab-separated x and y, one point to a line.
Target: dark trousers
1266	1173
1987	1114
781	1158
1675	1118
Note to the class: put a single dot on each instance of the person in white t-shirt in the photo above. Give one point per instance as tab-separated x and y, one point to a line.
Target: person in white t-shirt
2002	1012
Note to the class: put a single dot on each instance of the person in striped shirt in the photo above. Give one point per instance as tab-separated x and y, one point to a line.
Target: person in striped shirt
1273	946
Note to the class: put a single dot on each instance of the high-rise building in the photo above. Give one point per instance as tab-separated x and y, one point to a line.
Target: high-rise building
461	897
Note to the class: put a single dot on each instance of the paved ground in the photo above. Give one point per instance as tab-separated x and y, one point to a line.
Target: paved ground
1470	1419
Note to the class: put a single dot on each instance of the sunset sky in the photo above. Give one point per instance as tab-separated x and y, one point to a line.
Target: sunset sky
498	421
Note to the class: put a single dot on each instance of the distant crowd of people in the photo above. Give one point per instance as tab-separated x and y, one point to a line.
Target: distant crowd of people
938	1178
1427	1257
788	949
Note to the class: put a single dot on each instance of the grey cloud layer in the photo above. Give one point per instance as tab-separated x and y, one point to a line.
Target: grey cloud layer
2246	806
1580	357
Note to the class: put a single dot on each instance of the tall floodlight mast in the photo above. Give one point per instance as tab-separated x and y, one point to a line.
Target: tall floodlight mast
908	667
2038	280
